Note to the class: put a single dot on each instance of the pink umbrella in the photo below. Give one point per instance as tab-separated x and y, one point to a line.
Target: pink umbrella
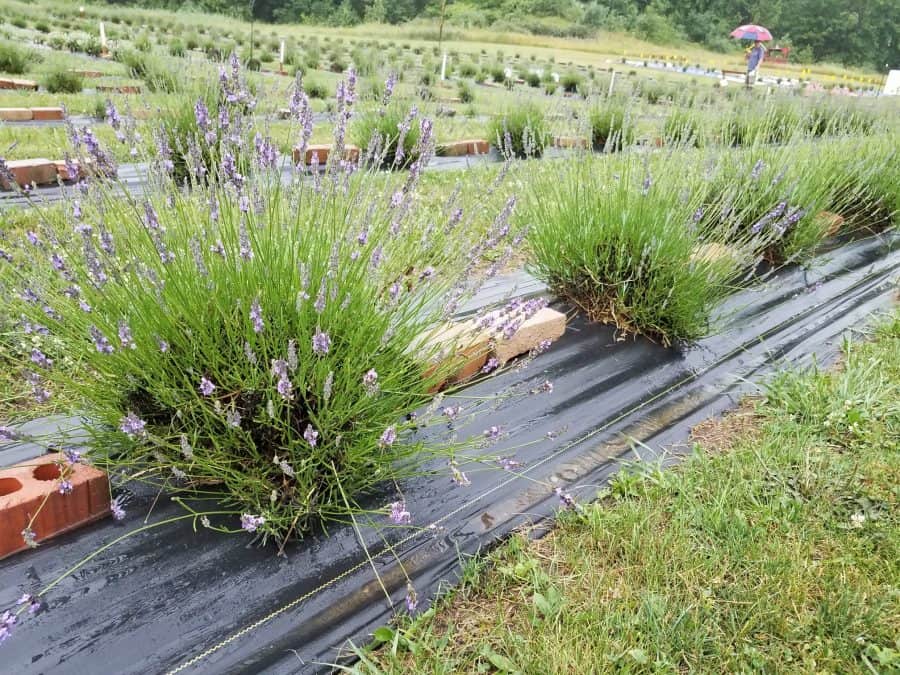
751	32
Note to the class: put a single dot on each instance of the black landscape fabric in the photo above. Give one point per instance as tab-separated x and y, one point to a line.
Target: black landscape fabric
172	599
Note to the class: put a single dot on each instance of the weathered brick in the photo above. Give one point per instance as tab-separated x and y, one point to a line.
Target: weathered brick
546	324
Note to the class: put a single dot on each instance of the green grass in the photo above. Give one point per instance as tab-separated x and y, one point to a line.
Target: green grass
775	548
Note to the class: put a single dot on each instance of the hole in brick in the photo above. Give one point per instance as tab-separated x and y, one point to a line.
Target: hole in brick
46	472
8	486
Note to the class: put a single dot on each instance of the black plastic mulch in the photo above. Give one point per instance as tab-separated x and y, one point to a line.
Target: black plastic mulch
171	599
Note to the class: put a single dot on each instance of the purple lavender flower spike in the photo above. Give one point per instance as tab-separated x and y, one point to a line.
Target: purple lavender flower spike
311	435
38	357
100	342
65	487
321	342
412	600
72	456
7	433
7	621
399	515
206	386
251	523
116	507
256	316
388	437
133	426
125	336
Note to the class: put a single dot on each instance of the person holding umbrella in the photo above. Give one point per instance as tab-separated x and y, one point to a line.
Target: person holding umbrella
758	52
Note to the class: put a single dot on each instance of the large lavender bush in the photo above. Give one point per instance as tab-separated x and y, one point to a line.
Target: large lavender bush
262	332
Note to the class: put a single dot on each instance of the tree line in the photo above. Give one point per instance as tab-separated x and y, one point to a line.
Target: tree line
862	32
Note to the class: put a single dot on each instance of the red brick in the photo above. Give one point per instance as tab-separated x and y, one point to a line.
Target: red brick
24	487
28	171
16	114
48	114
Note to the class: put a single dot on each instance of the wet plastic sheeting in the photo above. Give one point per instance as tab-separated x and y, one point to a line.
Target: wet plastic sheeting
171	598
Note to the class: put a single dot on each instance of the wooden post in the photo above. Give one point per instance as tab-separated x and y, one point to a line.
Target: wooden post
612	82
281	59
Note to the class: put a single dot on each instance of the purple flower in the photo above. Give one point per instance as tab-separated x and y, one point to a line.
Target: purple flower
493	433
100	342
7	621
256	316
125	336
133	426
163	345
321	342
37	356
206	387
72	456
566	500
116	507
33	238
647	184
311	435
370	381
250	522
412	600
491	364
399	514
65	487
545	388
284	387
388	437
8	433
508	463
452	412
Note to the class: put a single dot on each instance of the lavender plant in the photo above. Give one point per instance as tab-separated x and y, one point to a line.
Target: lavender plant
627	243
267	335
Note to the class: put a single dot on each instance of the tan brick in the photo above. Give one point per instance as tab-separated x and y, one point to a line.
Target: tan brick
45	114
546	324
28	171
13	83
465	147
454	149
570	142
831	223
351	154
461	350
713	252
16	114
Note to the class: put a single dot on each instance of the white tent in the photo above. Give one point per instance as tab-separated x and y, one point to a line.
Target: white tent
892	84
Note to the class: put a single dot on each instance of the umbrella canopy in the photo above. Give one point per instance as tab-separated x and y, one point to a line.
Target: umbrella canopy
751	32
